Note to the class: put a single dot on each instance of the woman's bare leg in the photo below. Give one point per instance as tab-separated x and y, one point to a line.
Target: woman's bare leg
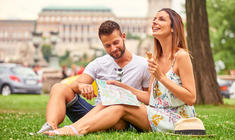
120	125
108	117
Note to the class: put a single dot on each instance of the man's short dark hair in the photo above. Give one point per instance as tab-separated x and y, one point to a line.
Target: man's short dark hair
107	28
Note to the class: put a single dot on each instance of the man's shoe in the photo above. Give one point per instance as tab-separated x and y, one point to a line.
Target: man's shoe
44	128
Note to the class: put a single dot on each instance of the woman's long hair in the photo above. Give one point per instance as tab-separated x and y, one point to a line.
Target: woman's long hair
178	36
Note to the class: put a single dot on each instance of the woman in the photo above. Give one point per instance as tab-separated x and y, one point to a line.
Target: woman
172	85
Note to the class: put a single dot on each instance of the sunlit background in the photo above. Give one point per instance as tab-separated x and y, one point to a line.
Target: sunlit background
63	33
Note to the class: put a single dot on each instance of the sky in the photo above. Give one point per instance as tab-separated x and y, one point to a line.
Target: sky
29	9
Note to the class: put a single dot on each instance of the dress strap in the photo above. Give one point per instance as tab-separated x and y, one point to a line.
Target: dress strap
173	62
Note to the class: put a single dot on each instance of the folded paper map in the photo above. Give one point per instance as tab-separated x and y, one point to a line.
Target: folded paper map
111	94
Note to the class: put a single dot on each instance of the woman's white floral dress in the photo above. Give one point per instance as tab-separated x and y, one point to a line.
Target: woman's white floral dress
164	109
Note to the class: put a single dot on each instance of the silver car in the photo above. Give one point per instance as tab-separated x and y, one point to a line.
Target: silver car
18	79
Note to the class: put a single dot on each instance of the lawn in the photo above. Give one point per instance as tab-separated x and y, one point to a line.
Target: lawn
22	115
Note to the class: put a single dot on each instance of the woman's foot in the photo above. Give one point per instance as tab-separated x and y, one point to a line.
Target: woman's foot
45	127
64	131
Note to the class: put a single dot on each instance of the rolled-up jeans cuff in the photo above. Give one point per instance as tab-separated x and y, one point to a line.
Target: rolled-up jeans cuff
73	101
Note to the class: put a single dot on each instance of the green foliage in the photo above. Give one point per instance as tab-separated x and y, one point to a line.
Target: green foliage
222	30
84	57
46	51
131	36
66	59
23	115
82	63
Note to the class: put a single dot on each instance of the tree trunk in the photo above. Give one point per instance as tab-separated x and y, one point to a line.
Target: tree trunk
208	91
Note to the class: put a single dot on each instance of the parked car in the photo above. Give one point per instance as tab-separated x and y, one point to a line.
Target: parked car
18	79
232	90
225	85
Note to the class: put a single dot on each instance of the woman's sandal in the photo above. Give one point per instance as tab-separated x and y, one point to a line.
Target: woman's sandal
74	130
70	126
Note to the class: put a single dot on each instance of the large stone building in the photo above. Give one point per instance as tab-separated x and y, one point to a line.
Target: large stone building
15	39
77	28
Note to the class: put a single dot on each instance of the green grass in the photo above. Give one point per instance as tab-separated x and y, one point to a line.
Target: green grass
21	115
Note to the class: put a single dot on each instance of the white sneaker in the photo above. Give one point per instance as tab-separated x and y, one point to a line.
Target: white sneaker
44	128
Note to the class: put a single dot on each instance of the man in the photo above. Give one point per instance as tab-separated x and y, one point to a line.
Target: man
118	64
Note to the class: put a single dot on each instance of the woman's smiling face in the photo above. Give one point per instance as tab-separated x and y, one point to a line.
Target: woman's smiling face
161	25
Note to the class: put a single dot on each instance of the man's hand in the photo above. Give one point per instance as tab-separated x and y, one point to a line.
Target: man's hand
86	90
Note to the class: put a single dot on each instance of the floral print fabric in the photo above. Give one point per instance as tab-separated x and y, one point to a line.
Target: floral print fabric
164	109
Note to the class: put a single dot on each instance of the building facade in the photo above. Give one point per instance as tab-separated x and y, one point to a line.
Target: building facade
77	28
15	36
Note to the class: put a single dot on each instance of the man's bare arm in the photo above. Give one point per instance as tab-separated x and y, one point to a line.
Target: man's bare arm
82	85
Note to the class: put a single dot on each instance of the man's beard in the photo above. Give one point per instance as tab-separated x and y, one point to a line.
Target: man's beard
122	52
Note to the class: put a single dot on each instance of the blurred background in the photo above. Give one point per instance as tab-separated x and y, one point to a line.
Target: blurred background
56	39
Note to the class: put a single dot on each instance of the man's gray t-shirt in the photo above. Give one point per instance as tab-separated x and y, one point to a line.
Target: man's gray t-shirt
135	73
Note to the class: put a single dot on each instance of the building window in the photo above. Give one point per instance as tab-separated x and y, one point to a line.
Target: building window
6	34
139	29
26	35
82	28
70	28
64	27
19	35
88	28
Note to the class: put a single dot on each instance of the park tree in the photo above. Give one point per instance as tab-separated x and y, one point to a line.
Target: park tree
46	51
222	31
66	59
207	88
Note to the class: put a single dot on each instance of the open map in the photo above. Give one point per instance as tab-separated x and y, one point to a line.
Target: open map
111	94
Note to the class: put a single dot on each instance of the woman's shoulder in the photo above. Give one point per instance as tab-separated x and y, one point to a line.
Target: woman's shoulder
182	54
182	60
